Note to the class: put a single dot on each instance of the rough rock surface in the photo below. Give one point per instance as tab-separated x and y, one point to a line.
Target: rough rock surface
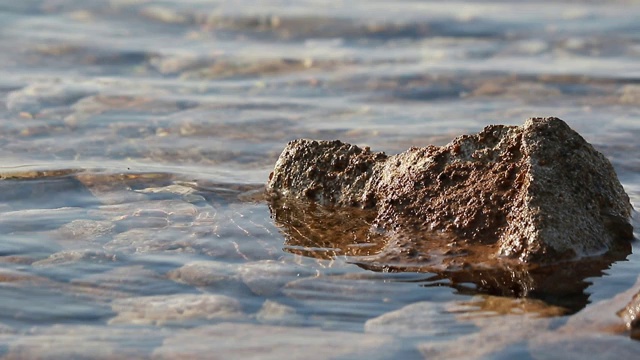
538	192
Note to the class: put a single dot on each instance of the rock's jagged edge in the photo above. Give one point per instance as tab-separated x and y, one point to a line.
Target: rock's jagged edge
537	192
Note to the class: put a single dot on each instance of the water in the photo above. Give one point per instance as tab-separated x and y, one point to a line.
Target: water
135	137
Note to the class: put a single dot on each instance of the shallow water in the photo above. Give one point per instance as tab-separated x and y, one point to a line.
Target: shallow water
135	137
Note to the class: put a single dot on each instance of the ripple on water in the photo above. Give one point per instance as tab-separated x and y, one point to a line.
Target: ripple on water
136	137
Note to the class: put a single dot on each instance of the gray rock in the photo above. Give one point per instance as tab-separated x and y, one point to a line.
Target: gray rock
268	277
538	193
175	309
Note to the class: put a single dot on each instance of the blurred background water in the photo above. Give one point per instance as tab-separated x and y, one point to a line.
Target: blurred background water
135	137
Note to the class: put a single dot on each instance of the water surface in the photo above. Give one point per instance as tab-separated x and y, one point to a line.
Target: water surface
136	136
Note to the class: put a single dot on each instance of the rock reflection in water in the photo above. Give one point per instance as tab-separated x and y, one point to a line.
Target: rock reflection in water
326	233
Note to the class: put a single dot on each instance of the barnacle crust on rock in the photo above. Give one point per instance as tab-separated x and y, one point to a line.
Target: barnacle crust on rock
538	192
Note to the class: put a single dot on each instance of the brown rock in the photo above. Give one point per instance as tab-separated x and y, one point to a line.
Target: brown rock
538	192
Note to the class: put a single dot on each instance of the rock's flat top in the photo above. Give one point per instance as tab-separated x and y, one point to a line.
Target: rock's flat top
537	192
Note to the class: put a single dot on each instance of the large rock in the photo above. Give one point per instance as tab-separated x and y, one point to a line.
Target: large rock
538	192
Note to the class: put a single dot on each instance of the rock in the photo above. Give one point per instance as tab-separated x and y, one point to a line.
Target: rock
70	257
205	274
600	317
328	172
86	230
419	319
499	326
268	277
151	240
211	276
481	308
585	346
538	193
354	297
495	334
594	332
352	289
175	309
631	316
275	313
164	14
629	94
35	97
130	279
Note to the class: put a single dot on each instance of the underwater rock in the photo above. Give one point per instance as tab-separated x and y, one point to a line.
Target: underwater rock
424	318
250	341
630	314
178	309
538	192
267	277
274	313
